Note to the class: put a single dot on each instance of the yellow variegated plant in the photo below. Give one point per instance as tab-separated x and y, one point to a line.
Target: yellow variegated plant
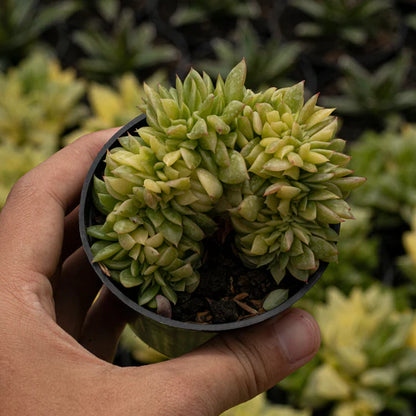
17	160
38	102
260	407
268	160
112	107
367	362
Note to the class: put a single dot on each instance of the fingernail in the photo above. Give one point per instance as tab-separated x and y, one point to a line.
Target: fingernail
298	335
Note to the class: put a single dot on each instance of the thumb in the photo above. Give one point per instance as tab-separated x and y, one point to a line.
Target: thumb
239	365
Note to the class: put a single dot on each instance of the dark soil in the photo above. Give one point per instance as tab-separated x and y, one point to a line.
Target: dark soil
228	291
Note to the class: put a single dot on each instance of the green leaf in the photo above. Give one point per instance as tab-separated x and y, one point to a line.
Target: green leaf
275	298
234	82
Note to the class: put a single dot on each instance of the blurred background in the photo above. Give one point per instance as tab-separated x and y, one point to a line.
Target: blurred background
70	67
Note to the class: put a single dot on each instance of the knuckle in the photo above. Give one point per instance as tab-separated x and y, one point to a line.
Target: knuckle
24	186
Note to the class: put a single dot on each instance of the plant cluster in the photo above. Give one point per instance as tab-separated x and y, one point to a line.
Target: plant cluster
388	161
268	62
39	101
352	22
268	160
23	21
129	47
378	94
365	366
113	106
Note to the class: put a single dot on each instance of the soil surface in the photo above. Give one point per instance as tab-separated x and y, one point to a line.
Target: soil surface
228	291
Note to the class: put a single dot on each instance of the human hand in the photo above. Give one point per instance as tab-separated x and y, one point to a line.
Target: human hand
55	342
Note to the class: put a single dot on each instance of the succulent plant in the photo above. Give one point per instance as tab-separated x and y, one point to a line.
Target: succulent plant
22	22
358	257
352	22
377	94
365	366
388	160
267	161
128	48
39	101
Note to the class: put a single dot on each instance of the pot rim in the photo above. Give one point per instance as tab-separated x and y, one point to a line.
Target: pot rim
110	284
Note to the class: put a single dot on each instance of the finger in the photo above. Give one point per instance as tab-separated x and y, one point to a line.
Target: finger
32	220
103	325
71	242
235	367
72	239
75	290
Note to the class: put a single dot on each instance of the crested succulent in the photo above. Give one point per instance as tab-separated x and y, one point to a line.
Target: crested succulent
365	366
268	161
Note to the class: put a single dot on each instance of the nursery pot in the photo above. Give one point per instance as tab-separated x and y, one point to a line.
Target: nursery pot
168	336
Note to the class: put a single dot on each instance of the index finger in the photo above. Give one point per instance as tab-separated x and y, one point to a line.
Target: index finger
32	220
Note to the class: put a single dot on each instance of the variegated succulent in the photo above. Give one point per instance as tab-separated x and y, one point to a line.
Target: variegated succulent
268	161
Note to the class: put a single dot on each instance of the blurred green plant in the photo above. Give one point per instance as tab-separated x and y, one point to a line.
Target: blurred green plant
377	94
138	349
268	62
259	406
197	11
112	107
127	48
407	265
367	361
411	21
23	21
357	258
388	161
347	22
39	101
16	161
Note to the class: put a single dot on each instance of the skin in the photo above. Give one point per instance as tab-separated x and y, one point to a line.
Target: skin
56	349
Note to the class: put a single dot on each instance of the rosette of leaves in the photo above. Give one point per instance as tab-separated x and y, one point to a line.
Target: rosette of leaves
268	161
348	22
22	22
128	48
388	160
378	94
367	362
268	61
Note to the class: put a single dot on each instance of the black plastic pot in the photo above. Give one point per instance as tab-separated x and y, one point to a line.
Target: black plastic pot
169	336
